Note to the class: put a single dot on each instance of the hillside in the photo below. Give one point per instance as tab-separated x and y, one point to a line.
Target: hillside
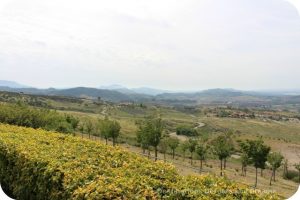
63	167
93	93
210	97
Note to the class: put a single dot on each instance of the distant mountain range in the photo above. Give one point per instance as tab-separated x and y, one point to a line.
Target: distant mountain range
11	84
140	90
117	93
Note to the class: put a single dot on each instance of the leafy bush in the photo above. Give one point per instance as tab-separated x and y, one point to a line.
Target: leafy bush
186	130
36	164
22	115
292	175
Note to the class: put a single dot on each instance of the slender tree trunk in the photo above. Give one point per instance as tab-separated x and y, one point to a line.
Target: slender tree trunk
245	171
148	153
144	151
89	135
255	185
183	156
274	175
225	161
271	177
173	152
200	166
82	135
155	153
285	169
221	162
191	158
106	141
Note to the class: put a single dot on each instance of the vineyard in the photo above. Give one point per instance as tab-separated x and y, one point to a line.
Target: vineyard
38	164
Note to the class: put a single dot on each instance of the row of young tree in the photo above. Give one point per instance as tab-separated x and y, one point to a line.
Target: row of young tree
106	129
253	152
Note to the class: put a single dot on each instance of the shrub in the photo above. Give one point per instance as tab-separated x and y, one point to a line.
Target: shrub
36	164
292	175
22	115
186	130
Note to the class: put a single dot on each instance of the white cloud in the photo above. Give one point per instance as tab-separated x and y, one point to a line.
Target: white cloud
188	44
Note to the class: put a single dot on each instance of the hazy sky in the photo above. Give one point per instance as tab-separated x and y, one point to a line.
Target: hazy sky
188	44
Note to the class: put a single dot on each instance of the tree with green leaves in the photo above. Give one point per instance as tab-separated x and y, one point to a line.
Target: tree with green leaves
245	157
103	126
163	146
142	138
156	132
275	160
81	128
222	147
114	131
201	150
150	132
73	121
109	129
258	153
89	128
192	143
173	144
183	148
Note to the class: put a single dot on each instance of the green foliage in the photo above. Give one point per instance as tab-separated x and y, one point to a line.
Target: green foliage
150	133
173	144
292	175
245	157
36	164
297	166
258	153
186	130
275	160
22	115
191	146
109	129
163	146
222	146
223	113
202	151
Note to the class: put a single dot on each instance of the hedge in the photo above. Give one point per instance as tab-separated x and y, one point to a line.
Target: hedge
37	164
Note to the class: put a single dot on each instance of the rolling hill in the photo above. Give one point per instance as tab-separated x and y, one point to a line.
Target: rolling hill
149	95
